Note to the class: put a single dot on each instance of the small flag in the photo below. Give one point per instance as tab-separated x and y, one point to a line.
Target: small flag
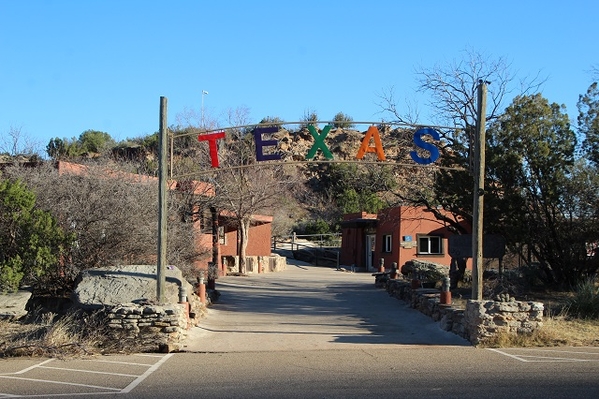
204	92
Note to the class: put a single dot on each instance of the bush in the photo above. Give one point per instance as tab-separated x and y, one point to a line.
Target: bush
272	121
309	118
318	226
425	271
31	241
340	120
585	303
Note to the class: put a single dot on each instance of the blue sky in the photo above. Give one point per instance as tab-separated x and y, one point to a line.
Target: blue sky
71	65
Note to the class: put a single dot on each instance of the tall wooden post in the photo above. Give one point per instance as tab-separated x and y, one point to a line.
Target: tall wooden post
162	203
478	194
213	266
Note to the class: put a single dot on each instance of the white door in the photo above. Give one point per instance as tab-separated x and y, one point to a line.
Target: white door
370	246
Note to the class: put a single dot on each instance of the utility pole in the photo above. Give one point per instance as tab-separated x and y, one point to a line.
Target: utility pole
478	193
162	204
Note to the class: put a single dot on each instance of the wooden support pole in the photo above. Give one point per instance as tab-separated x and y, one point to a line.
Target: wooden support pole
162	203
478	194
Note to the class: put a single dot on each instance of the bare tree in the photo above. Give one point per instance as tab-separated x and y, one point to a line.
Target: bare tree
16	142
452	90
247	191
245	187
388	104
112	215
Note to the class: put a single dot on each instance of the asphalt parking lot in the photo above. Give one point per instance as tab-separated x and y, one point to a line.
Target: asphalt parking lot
327	334
103	375
532	372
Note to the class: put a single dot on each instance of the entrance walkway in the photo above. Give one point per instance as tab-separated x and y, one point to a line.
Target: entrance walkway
310	308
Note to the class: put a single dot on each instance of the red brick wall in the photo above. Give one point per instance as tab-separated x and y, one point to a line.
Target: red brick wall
258	244
406	222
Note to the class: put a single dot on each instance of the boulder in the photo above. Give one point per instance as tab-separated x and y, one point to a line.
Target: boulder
13	305
111	286
425	271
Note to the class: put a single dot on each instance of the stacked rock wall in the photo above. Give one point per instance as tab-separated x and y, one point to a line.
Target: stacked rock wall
163	325
480	320
256	264
487	318
127	295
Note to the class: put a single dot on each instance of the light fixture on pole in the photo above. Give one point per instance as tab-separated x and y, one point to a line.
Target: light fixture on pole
203	92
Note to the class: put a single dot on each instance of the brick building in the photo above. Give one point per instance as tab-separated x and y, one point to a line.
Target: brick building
396	234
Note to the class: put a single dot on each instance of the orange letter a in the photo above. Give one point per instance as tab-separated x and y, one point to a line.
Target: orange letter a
372	133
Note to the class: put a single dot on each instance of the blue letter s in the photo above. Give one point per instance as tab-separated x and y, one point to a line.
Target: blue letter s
431	148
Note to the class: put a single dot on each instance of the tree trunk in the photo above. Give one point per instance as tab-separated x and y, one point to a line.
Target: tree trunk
457	269
242	243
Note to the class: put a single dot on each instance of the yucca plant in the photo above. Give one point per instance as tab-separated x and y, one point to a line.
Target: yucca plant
585	302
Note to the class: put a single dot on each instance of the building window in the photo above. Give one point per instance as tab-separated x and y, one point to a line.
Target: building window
222	237
430	245
387	243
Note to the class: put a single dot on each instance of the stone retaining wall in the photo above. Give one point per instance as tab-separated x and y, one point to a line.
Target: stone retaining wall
487	318
256	264
165	326
480	320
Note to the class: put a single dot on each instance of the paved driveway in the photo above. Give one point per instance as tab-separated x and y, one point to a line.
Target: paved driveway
310	308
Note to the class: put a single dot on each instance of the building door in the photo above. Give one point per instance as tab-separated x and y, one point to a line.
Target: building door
370	246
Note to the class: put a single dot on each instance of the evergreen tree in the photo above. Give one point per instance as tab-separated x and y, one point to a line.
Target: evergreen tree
30	240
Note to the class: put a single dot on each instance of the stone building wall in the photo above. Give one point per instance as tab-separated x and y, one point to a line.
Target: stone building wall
480	320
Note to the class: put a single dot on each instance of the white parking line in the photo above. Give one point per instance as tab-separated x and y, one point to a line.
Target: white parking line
30	368
507	354
145	375
125	363
138	378
86	371
58	382
548	359
564	351
542	357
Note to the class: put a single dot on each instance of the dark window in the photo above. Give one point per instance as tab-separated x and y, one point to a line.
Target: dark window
387	243
430	245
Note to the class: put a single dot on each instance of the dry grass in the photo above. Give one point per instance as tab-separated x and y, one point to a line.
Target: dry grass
72	335
556	331
559	327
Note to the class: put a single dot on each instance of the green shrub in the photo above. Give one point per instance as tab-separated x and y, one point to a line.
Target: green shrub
585	303
318	226
309	118
343	121
272	121
30	239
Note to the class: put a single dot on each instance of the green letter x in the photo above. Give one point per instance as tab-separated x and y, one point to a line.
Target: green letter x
319	142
